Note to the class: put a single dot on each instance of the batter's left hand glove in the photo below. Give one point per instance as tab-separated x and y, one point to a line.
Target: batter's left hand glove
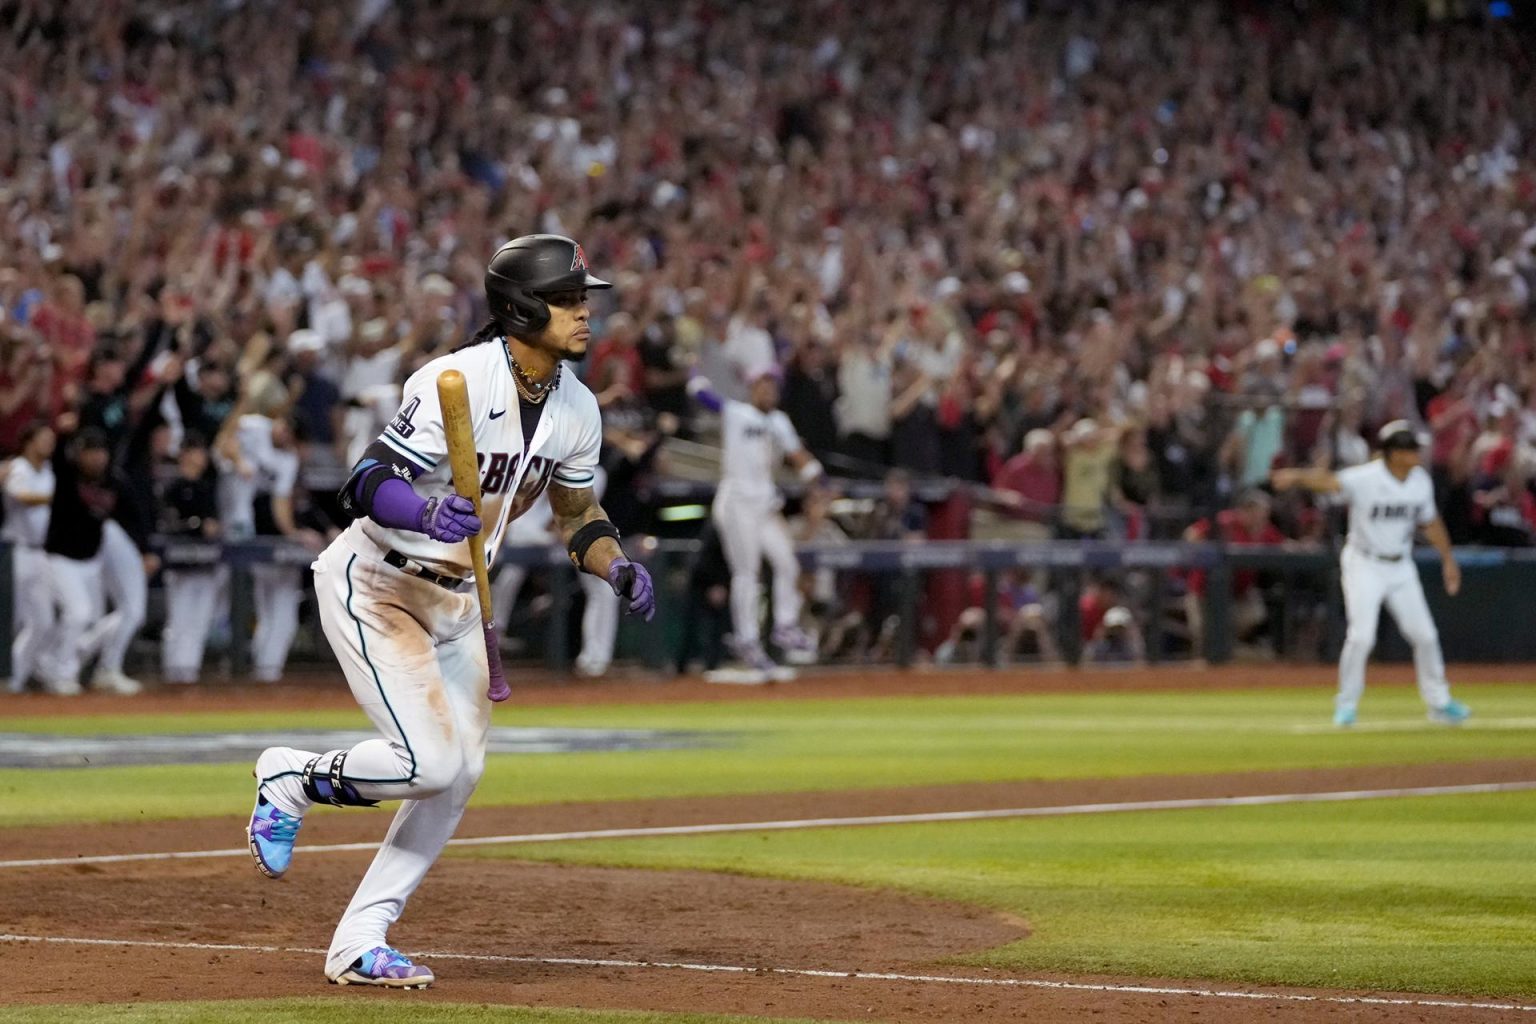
632	582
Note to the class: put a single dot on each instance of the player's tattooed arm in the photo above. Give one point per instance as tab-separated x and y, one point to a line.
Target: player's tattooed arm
593	542
574	508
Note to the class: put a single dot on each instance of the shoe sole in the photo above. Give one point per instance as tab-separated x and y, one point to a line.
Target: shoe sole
353	978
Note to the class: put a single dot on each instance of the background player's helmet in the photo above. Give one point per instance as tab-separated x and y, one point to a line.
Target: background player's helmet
527	268
1399	435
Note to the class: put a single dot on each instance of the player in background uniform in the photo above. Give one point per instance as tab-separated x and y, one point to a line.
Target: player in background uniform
755	437
87	494
1389	499
29	487
189	510
259	451
277	586
534	528
600	614
393	598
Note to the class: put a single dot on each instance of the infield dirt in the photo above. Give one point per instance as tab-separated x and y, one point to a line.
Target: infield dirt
518	909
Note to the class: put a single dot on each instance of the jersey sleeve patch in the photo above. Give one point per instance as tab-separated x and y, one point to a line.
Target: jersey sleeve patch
416	432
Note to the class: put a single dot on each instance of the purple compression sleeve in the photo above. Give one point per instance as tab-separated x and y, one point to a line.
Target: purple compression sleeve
395	503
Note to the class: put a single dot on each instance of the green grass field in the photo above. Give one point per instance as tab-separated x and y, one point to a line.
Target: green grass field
801	745
1427	894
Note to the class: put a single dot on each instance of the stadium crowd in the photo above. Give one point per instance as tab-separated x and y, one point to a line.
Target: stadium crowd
1114	261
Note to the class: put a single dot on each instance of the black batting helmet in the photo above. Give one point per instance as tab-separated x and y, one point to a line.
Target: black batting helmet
1399	435
527	268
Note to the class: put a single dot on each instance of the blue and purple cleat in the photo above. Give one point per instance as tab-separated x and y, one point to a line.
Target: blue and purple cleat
270	835
387	967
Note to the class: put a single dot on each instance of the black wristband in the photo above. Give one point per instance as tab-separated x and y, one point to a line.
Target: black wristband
585	537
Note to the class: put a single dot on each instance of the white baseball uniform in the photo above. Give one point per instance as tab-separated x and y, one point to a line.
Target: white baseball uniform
530	528
412	650
26	527
600	615
122	571
1377	566
276	587
747	517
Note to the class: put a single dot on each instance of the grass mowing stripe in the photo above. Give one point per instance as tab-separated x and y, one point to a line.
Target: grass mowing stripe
803	972
800	745
932	817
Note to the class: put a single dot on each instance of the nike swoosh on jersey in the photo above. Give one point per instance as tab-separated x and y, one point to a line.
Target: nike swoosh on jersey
498	415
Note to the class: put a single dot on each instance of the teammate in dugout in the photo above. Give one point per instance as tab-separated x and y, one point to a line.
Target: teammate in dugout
393	598
1389	499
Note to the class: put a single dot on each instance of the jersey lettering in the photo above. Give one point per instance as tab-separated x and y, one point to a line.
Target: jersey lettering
533	484
402	424
1395	512
495	479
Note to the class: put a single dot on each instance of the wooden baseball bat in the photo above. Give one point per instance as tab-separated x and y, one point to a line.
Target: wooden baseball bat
453	396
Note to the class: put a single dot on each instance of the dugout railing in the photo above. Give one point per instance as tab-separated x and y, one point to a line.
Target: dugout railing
917	580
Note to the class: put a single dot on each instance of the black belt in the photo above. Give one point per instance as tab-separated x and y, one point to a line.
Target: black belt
1380	558
420	571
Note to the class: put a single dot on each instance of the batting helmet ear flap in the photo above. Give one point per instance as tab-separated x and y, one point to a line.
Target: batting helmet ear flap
517	310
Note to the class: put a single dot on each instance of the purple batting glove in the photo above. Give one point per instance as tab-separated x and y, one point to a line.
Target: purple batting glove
449	519
631	581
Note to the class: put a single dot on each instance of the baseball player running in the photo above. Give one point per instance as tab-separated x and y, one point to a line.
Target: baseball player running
393	601
1389	499
755	436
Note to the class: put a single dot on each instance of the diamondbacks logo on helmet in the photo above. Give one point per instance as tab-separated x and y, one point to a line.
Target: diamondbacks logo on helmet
579	260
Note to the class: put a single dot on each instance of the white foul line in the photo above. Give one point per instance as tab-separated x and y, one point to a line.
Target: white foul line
715	828
800	972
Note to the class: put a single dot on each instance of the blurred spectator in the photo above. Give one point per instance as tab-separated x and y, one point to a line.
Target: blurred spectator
1088	459
895	515
831	621
1034	475
1247	523
1116	639
810	399
1020	614
864	393
1134	486
707	613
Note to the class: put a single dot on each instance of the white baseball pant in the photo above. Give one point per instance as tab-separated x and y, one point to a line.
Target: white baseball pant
191	604
414	657
277	590
82	626
1367	583
505	586
749	532
599	625
127	589
33	608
